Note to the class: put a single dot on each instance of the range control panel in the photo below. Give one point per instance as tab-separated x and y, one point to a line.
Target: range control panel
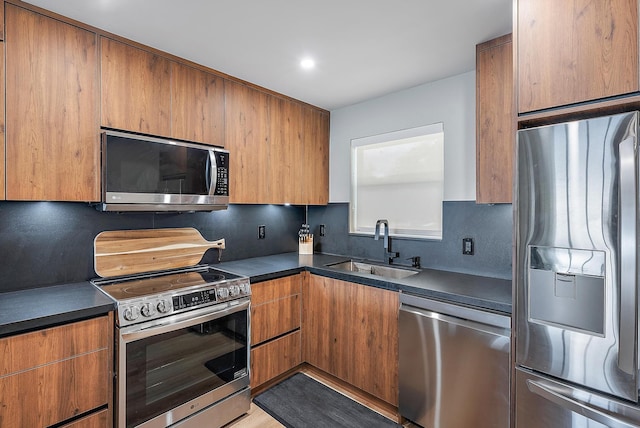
134	311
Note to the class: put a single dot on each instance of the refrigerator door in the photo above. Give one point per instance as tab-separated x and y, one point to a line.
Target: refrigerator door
576	278
545	403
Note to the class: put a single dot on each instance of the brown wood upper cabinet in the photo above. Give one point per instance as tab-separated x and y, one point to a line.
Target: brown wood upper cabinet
299	137
52	139
351	331
2	21
197	105
147	93
575	51
2	137
495	116
315	162
136	89
247	138
280	148
2	106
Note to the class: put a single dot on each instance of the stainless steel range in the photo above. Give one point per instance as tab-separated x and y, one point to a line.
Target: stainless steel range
182	347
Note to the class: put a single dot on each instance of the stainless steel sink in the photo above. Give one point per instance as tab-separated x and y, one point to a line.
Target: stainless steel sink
393	272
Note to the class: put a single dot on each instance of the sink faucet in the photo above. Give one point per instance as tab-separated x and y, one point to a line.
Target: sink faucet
387	241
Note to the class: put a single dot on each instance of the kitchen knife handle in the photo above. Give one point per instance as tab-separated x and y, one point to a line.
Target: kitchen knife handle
628	341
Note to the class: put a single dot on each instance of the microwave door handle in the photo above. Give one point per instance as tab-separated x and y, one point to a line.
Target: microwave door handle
212	173
550	393
627	255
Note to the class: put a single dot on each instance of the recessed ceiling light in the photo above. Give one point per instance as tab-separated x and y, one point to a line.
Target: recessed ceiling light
307	63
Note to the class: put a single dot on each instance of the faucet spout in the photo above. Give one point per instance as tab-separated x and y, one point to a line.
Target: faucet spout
386	232
387	241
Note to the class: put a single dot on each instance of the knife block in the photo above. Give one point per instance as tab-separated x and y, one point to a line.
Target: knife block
306	246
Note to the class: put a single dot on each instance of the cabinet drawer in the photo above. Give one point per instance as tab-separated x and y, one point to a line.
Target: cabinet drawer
95	420
51	393
267	291
274	358
30	350
274	318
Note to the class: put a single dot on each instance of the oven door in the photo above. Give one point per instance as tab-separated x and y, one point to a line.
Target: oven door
174	367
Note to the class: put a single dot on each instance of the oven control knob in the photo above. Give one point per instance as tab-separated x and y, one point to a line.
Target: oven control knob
131	313
234	290
163	306
148	310
223	292
244	288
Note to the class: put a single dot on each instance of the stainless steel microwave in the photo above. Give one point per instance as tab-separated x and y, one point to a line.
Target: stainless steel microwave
141	173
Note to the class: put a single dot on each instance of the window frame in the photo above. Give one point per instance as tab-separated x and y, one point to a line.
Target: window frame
405	134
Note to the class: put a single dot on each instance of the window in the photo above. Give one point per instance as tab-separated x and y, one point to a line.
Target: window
398	176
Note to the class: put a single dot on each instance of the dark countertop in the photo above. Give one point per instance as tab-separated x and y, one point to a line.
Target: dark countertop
26	310
476	291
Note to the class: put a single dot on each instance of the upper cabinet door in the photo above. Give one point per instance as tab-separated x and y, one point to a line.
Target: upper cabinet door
279	149
197	105
316	157
495	116
575	51
52	138
136	89
2	145
2	21
247	138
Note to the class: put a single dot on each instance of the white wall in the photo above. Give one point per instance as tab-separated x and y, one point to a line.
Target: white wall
450	101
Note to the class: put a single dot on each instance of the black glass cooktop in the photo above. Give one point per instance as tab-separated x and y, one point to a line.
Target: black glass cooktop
161	282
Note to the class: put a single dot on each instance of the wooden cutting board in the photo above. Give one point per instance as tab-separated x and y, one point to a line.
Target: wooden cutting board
127	252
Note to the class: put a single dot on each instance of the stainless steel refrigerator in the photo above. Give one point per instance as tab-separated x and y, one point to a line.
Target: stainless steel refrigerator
576	306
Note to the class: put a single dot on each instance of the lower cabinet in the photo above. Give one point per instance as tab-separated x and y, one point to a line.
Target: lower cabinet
275	327
345	329
274	358
351	331
50	376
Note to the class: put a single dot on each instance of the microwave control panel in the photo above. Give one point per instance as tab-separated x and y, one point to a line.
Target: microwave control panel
222	174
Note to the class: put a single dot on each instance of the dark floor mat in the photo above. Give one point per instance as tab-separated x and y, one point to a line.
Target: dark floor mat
301	402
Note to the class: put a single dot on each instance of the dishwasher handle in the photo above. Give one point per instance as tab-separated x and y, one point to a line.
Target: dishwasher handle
463	312
439	317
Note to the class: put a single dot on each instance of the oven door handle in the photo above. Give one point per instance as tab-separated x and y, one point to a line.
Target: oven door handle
179	321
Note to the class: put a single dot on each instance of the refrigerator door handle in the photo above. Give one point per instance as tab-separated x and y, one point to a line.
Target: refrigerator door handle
627	241
596	414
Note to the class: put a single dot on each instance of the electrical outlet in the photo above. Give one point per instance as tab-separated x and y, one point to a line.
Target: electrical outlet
467	246
322	230
262	231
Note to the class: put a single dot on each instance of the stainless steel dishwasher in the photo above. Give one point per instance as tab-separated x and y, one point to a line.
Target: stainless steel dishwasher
454	365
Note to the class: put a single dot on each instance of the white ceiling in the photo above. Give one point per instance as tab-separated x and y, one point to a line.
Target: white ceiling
362	48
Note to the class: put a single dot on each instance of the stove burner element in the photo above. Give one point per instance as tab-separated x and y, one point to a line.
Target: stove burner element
144	289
